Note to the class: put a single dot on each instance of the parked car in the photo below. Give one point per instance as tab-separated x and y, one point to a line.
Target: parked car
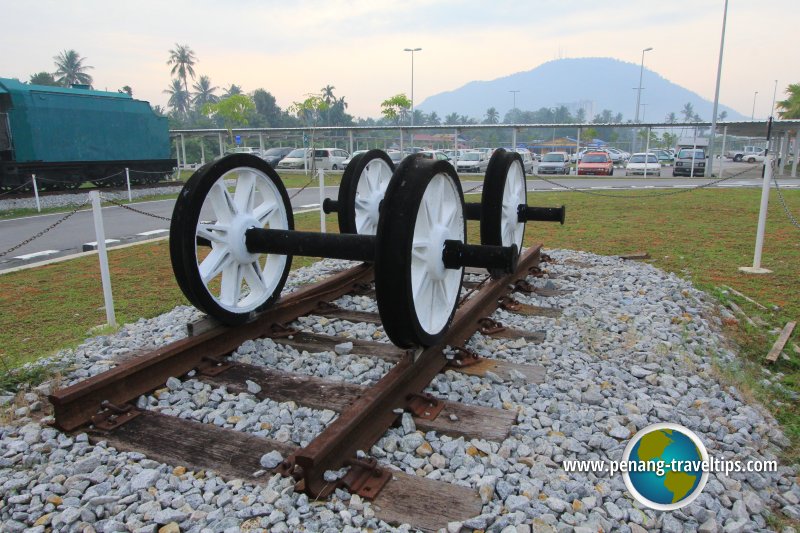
617	156
665	157
742	153
396	156
576	157
472	162
755	157
596	163
688	159
527	159
329	158
240	150
643	164
274	155
347	161
554	163
434	154
297	159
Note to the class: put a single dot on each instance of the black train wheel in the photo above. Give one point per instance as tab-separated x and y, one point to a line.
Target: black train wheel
504	189
417	296
212	265
361	192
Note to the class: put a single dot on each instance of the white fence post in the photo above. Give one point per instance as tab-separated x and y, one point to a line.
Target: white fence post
100	234
762	220
128	180
322	227
36	193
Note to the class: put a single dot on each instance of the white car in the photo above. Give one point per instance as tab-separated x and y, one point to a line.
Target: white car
472	162
347	161
527	159
642	163
757	157
294	159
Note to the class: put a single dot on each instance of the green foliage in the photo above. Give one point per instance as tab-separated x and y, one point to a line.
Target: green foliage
182	59
126	89
70	69
790	106
233	110
43	78
310	109
395	107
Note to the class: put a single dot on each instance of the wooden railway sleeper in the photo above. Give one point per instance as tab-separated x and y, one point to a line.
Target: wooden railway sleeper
212	366
281	331
489	326
522	285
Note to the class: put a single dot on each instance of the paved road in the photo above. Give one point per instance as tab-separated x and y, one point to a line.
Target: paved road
124	226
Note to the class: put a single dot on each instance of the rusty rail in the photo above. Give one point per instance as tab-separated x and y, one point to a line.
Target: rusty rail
75	406
363	423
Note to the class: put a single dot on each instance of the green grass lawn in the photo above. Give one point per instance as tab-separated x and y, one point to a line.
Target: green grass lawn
703	235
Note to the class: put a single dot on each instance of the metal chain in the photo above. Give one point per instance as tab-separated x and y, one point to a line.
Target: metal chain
303	187
129	208
789	214
474	189
651	195
6	193
48	228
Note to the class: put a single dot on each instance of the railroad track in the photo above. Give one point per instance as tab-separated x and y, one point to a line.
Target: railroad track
42	194
105	404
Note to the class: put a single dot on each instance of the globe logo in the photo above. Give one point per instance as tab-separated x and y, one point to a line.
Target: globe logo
665	466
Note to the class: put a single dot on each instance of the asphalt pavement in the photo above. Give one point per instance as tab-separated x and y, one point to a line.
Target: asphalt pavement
123	226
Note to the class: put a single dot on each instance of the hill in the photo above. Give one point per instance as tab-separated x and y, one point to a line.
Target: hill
592	83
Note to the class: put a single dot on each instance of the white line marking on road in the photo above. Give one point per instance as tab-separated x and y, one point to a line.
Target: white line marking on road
93	245
153	232
35	254
308	206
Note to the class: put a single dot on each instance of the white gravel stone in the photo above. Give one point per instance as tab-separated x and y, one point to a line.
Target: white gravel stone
623	355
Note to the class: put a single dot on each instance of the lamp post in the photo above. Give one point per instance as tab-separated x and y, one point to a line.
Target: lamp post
412	50
753	113
639	98
514	94
710	155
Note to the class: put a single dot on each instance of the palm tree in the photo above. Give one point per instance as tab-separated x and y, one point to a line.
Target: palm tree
492	116
688	112
182	59
230	91
328	98
791	106
178	97
722	115
451	119
433	119
204	92
70	69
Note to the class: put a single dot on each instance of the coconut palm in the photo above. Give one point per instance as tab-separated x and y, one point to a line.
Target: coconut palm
230	91
328	98
70	69
204	92
688	112
178	97
433	119
182	59
790	106
492	116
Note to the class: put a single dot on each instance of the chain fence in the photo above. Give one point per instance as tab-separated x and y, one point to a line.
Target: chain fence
129	208
640	196
6	193
45	230
786	210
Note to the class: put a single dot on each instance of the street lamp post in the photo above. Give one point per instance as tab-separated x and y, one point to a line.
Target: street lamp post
753	113
710	165
639	98
514	100
412	50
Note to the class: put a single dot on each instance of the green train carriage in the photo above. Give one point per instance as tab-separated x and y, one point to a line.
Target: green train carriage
67	136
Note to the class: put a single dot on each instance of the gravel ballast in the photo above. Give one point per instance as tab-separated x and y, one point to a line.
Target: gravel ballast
634	346
77	199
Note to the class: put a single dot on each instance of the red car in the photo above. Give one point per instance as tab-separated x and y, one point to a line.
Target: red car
596	163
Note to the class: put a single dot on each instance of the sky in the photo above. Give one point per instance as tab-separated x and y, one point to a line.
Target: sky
293	49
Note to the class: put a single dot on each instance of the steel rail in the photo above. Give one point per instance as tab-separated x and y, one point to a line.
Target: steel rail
368	418
75	405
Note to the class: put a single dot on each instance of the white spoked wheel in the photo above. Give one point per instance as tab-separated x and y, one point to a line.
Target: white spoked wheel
434	287
417	295
504	190
207	237
362	190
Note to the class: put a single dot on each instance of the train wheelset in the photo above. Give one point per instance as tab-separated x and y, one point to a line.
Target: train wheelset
232	239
